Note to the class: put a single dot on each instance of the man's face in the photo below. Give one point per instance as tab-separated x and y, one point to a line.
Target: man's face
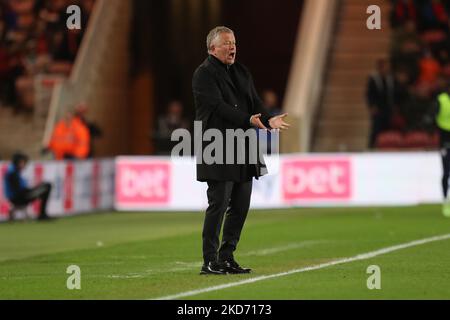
224	48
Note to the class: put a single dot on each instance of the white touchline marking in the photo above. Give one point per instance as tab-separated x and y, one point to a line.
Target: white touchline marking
363	256
291	246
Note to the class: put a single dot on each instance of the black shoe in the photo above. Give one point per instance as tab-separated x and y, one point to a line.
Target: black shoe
231	266
213	268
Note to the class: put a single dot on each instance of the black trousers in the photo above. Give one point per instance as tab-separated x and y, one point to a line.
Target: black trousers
445	155
379	123
227	201
40	192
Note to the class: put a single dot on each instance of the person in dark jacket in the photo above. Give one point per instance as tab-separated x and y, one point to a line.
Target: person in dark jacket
380	99
17	190
226	99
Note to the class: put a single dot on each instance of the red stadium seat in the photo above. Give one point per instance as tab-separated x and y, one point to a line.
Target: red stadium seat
433	36
389	140
434	141
417	139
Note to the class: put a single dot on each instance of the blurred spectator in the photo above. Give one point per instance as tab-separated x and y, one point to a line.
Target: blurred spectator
433	15
419	107
420	55
439	87
429	68
70	138
406	48
380	99
403	10
53	14
401	99
34	40
94	131
17	190
270	100
173	119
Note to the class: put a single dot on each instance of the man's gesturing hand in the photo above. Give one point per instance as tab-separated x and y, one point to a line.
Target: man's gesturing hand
256	122
277	122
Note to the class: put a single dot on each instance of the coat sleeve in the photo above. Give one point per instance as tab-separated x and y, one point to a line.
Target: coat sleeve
209	100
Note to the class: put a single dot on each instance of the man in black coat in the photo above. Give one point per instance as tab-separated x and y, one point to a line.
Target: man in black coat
226	99
380	100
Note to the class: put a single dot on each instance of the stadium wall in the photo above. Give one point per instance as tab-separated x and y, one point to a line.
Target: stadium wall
296	180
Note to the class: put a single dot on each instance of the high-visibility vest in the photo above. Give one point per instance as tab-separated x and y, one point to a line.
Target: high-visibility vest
71	138
443	117
82	139
62	140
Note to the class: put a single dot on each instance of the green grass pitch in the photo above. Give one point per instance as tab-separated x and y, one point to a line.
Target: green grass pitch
147	256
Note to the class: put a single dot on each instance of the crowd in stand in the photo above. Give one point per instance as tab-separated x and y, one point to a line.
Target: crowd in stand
416	72
34	39
175	118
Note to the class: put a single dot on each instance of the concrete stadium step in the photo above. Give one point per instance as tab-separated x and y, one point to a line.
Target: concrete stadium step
331	101
344	114
341	92
346	106
359	27
344	127
367	41
344	117
356	61
19	132
343	120
363	46
359	9
347	76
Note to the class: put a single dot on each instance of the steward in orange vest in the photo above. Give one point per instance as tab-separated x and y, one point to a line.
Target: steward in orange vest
70	139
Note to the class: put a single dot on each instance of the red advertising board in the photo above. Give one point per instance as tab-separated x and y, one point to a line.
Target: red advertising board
142	184
316	179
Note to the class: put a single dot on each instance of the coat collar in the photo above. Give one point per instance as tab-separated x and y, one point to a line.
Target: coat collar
221	68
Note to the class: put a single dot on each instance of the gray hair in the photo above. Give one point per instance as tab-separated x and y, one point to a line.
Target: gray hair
214	33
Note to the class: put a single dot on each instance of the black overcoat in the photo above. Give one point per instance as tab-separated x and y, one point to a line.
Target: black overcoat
225	98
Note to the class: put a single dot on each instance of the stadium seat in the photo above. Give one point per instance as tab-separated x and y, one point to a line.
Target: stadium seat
389	140
417	139
433	36
434	140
